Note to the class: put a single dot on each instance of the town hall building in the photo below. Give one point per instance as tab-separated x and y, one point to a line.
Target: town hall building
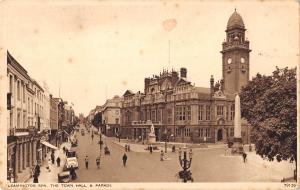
182	112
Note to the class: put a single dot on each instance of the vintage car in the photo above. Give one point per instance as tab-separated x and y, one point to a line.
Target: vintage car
64	177
71	160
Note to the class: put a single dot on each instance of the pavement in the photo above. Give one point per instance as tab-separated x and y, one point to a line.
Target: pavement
50	175
139	147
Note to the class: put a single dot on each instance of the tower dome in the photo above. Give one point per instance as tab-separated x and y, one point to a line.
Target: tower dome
235	21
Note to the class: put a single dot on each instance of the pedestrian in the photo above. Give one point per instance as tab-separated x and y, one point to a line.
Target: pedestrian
37	170
35	178
48	165
73	173
128	148
58	161
173	148
52	158
124	159
86	162
98	162
161	155
125	147
151	149
92	137
244	157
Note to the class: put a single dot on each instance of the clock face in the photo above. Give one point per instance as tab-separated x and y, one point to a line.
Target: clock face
242	60
229	60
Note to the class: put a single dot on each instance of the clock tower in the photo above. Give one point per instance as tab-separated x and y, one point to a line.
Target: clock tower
235	55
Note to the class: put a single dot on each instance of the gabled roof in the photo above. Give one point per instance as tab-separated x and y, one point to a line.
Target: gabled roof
128	93
182	80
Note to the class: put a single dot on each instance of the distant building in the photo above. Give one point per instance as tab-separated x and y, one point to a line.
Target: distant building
111	115
54	118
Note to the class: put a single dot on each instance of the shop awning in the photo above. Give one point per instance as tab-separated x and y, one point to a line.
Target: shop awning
49	145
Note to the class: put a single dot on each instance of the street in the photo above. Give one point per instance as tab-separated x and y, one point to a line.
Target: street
208	165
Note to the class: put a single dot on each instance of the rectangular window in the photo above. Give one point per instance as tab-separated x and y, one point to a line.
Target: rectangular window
11	119
169	112
207	132
178	132
148	115
226	107
207	112
231	132
220	110
187	132
200	112
153	115
31	106
117	120
23	89
11	84
18	120
142	115
158	115
18	90
188	113
232	112
201	133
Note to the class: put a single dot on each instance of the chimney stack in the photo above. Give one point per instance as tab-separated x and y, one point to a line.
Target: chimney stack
212	85
183	72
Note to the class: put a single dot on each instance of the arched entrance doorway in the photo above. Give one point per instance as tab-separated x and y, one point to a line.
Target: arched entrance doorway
219	135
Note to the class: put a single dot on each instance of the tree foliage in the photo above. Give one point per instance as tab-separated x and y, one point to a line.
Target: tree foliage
269	103
97	120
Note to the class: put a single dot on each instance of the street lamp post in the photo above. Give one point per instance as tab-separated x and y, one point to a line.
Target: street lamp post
165	140
185	174
100	140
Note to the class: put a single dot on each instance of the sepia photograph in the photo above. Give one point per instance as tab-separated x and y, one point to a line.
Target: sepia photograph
149	94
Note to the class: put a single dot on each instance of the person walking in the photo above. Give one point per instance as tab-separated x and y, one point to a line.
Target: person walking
92	136
125	147
128	148
124	159
52	157
151	149
86	162
244	157
58	161
161	155
98	162
36	173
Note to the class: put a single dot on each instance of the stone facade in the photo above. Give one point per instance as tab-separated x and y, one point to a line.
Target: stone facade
183	112
111	115
24	121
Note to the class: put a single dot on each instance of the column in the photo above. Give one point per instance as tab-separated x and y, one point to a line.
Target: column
25	155
34	152
17	164
30	153
21	157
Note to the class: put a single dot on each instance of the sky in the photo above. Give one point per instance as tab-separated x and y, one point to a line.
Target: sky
93	50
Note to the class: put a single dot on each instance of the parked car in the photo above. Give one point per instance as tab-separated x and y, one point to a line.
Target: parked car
71	160
64	177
